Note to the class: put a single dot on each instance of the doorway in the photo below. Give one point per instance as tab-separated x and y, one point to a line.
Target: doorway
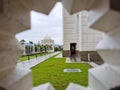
73	49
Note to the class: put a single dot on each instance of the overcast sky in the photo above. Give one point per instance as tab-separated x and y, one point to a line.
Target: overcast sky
45	25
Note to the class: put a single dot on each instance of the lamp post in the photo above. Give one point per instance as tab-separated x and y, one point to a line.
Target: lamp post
89	58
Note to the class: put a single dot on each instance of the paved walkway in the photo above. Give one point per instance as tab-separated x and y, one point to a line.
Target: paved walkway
32	62
59	56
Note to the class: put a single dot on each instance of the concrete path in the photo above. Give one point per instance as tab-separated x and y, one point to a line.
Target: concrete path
59	56
32	62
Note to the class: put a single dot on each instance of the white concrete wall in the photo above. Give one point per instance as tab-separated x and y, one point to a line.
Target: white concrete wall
69	29
89	38
76	30
104	16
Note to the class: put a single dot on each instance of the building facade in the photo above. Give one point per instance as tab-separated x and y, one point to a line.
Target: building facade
49	43
79	39
28	48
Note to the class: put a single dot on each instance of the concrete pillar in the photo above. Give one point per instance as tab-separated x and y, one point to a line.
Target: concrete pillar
74	6
15	18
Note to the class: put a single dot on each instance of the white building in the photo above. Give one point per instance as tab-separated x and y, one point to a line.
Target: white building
79	40
49	42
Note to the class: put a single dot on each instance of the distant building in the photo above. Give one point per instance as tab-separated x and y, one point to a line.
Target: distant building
28	48
49	43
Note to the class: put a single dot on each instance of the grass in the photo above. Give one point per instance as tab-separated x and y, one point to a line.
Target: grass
51	70
24	58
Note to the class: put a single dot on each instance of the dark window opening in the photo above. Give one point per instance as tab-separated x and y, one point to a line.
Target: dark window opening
73	49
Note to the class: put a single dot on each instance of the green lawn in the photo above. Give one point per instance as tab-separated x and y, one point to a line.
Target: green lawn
24	58
51	70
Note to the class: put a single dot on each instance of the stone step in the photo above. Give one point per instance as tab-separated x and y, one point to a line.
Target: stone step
110	56
75	6
46	86
8	59
17	11
104	78
13	26
15	16
39	5
17	79
9	54
6	71
9	43
109	47
103	16
73	86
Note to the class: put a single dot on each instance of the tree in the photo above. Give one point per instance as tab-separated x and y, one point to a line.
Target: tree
31	47
45	48
41	48
58	48
22	41
30	42
36	50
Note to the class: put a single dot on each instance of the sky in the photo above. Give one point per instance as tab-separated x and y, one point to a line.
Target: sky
45	25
